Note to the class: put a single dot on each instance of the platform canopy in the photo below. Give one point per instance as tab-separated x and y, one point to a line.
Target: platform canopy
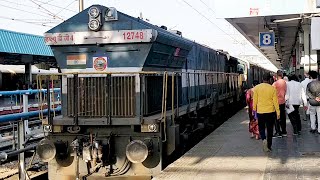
273	27
20	48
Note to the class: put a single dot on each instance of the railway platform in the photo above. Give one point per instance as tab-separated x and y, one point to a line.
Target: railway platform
229	153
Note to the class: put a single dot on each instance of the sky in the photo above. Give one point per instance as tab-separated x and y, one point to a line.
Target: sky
196	19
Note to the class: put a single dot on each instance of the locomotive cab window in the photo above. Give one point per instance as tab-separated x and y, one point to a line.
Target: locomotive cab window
240	68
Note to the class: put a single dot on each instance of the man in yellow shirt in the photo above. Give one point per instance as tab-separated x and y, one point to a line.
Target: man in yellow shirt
265	103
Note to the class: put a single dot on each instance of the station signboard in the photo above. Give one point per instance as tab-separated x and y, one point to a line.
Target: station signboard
266	39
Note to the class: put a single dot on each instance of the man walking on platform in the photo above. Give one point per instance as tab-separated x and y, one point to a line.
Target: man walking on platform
304	84
295	97
281	88
265	103
313	93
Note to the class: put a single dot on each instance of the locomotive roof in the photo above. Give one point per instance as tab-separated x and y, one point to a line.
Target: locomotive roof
79	23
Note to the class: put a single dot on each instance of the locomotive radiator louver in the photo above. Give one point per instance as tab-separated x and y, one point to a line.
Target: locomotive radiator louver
137	151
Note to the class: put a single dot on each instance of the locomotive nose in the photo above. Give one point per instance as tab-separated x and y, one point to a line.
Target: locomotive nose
46	150
137	151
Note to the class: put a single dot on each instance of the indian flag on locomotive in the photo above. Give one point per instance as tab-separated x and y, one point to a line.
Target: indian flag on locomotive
77	61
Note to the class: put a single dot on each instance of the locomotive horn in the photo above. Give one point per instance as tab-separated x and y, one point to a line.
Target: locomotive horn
46	150
137	151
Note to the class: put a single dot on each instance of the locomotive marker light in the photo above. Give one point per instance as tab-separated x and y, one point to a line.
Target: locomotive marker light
46	150
47	128
137	151
111	14
149	128
152	127
94	19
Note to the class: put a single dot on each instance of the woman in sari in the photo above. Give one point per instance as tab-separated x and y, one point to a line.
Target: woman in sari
253	124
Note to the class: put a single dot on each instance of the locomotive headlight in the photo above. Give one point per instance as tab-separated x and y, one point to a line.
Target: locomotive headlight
46	150
94	12
95	19
137	151
94	25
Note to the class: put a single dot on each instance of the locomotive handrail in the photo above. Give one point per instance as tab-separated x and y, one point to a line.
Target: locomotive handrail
140	72
172	97
194	84
164	104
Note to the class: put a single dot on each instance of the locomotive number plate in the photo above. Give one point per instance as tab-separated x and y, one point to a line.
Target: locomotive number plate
100	37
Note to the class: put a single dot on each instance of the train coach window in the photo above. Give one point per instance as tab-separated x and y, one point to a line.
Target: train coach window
240	68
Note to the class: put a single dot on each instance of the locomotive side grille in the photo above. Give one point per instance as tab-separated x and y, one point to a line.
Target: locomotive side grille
102	96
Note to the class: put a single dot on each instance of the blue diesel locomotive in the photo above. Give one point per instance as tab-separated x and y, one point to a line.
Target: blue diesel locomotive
132	94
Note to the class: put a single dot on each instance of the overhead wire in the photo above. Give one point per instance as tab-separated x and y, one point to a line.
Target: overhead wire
214	13
34	23
19	4
66	7
50	13
24	10
209	20
37	20
47	2
40	10
53	5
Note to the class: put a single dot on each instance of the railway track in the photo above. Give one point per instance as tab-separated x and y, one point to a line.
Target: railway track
8	144
35	170
8	139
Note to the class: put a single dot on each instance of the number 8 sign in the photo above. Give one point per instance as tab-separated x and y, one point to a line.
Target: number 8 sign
266	39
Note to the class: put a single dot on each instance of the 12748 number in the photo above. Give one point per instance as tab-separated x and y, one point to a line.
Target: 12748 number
133	35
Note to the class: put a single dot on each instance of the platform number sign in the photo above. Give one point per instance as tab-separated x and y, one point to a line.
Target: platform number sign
266	39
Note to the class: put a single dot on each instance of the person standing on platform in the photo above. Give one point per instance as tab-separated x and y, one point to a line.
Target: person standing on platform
300	78
253	124
295	97
304	84
313	93
265	103
281	87
285	78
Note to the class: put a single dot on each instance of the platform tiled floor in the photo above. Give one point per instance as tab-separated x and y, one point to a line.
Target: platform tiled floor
229	153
